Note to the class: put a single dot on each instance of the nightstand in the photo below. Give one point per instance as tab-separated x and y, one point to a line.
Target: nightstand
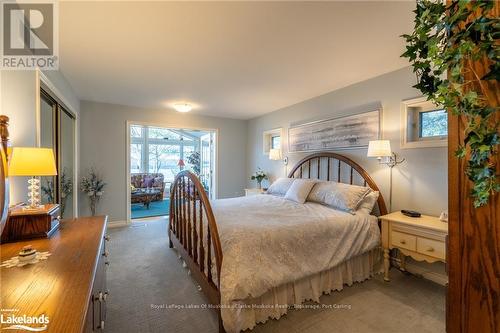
27	223
422	238
253	191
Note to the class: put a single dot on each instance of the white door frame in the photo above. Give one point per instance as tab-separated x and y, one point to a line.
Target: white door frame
167	126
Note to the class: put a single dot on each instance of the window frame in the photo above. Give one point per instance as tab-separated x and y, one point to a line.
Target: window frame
267	139
410	125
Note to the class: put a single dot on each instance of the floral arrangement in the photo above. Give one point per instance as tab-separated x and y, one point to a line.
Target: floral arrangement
93	186
66	190
259	176
48	190
194	160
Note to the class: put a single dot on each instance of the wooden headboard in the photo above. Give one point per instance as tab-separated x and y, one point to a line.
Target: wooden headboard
335	167
4	181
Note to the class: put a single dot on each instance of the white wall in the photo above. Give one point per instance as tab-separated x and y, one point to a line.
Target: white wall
18	100
103	146
419	184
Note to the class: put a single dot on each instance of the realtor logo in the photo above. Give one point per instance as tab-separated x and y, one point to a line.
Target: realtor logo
29	34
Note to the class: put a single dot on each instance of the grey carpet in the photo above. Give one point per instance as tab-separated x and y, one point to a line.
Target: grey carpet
146	277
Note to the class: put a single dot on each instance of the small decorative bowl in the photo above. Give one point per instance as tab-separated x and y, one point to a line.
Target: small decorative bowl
28	253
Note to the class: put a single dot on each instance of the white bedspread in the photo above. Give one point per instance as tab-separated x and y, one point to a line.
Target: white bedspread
268	241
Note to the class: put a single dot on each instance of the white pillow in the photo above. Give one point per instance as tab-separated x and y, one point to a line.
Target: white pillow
299	190
368	202
280	186
338	195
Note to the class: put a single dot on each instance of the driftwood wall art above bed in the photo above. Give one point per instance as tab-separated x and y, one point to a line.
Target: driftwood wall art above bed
192	226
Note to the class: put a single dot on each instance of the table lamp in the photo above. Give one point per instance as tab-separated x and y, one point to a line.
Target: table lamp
181	164
381	149
32	162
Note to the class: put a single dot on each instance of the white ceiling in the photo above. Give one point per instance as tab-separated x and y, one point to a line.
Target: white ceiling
230	59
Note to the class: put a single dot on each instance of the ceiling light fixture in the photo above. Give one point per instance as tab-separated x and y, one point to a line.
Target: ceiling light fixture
183	107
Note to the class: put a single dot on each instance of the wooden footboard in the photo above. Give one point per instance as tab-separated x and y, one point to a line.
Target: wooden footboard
192	230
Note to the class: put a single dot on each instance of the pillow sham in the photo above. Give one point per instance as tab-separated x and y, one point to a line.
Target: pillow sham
280	186
338	195
368	203
299	190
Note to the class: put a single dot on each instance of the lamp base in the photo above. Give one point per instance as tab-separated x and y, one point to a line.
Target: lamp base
34	193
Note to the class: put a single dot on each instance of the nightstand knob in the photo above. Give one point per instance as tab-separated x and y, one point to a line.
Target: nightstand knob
58	217
402	241
430	249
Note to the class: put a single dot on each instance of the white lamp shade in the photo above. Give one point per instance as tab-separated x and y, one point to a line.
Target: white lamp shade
379	148
275	154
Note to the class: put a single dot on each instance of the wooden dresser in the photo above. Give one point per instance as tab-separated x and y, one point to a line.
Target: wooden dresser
69	287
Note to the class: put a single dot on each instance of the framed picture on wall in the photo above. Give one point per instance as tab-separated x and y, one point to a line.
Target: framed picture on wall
332	134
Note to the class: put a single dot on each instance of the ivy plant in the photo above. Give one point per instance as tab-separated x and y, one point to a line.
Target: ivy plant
446	41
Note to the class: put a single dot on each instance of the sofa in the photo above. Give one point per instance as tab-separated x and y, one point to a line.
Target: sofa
148	180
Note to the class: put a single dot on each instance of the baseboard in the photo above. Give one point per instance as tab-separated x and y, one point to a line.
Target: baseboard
117	224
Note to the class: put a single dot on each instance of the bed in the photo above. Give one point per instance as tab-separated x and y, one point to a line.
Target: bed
254	256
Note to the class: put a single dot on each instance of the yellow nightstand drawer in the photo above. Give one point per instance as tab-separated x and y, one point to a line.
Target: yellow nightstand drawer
404	241
431	248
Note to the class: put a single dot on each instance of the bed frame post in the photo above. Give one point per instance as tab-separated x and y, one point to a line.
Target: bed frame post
188	232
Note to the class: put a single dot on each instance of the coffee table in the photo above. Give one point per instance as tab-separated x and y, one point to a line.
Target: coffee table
144	197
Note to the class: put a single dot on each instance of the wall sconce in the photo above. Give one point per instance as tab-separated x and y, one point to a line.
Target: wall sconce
381	149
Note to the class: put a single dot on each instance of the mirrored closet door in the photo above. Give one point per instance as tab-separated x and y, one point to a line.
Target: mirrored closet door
57	131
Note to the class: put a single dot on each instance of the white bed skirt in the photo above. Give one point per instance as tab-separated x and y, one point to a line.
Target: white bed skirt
245	314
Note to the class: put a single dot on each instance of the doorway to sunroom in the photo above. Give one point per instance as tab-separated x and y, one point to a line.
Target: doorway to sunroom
156	155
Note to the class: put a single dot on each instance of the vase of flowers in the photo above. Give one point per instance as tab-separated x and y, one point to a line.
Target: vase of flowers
259	176
93	186
66	189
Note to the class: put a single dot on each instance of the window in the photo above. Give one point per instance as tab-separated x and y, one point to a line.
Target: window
423	124
136	131
433	123
276	142
135	158
158	150
271	139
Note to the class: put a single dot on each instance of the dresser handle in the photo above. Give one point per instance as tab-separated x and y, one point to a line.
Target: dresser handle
99	297
106	238
106	263
58	217
430	249
105	296
106	253
101	326
402	241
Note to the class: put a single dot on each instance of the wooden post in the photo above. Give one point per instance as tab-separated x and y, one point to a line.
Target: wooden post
473	299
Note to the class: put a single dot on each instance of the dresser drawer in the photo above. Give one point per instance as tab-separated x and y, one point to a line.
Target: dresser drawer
404	241
431	248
